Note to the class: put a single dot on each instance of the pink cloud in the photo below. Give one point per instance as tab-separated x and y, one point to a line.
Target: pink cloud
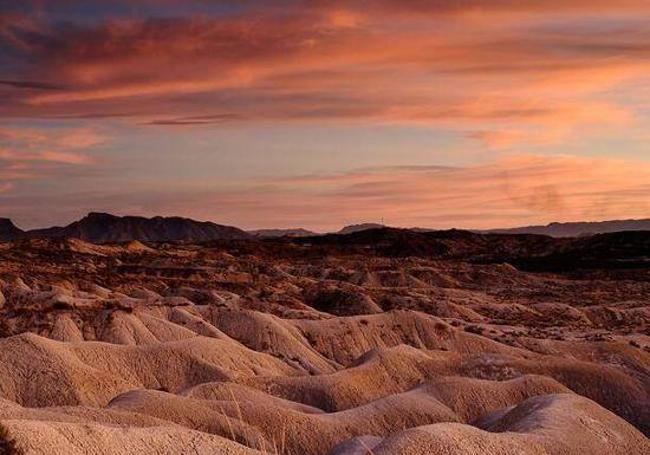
32	153
510	191
66	138
513	63
21	165
511	75
64	157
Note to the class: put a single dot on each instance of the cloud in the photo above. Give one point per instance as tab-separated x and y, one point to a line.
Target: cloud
31	85
17	157
513	190
31	138
36	154
510	191
518	64
65	157
197	120
504	76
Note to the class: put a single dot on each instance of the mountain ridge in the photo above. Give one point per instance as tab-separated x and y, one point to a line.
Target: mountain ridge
8	230
352	228
276	233
577	228
99	227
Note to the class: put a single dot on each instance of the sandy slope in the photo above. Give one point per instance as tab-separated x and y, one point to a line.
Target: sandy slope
548	424
207	352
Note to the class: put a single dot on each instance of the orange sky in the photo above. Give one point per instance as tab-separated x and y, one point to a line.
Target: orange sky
316	114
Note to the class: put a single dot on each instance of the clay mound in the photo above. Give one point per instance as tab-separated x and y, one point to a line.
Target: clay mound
64	246
308	346
442	303
79	246
226	391
97	314
260	423
77	414
346	338
208	416
397	370
387	279
270	334
365	278
382	372
626	394
378	374
340	301
35	371
605	315
561	314
191	319
135	246
473	398
434	277
550	424
140	328
252	421
508	312
46	438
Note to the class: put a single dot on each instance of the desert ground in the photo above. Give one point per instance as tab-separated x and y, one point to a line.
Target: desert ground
380	342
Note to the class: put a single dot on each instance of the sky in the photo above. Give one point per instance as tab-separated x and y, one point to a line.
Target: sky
319	114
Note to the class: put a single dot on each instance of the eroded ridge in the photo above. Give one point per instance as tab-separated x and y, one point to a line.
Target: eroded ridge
294	348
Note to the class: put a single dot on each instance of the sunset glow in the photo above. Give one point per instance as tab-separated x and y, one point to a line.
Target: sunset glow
317	114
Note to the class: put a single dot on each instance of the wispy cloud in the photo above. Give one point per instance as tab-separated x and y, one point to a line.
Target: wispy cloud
500	77
197	120
30	85
31	153
509	191
513	190
547	64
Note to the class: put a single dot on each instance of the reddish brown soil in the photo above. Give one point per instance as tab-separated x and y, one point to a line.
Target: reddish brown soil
322	346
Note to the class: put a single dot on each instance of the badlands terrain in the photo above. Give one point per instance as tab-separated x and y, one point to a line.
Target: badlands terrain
378	342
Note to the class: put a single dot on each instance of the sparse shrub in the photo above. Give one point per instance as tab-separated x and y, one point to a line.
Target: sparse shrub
5	330
440	327
7	444
474	329
61	306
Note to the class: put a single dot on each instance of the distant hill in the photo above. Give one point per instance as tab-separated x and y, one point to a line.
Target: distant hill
613	250
531	252
360	227
103	227
276	233
447	244
9	231
578	229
